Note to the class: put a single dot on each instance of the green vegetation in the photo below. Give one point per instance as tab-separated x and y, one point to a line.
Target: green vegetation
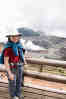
47	69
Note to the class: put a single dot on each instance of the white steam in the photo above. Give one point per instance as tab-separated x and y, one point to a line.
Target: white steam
30	46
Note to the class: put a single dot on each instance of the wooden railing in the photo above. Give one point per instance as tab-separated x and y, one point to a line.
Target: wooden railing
51	62
42	64
37	92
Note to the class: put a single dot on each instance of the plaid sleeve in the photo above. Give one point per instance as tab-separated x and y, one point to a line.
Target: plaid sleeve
6	52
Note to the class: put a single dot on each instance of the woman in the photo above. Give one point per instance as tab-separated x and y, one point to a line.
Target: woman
14	60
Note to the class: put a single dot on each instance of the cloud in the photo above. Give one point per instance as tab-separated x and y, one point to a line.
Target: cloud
58	33
44	15
7	11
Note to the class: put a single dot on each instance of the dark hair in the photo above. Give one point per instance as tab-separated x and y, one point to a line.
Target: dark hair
9	39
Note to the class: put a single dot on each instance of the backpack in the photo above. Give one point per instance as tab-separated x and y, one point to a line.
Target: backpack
2	58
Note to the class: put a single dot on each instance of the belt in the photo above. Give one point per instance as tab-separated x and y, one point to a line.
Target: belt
14	64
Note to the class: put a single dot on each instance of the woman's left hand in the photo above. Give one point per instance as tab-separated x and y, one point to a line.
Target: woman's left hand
25	63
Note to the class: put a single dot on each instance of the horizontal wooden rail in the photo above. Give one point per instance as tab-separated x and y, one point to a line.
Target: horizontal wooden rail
51	62
46	76
48	62
2	68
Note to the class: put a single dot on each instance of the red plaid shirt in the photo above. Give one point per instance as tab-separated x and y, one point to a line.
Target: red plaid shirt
8	52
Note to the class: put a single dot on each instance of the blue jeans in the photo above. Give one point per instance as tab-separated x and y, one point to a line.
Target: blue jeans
14	86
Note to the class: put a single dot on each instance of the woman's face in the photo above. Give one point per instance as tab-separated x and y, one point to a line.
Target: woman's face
15	39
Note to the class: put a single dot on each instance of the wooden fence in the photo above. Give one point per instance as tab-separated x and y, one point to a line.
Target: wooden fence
34	91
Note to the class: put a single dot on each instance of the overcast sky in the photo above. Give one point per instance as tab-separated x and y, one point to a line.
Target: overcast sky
46	15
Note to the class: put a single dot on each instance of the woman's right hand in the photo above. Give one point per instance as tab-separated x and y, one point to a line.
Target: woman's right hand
11	76
6	63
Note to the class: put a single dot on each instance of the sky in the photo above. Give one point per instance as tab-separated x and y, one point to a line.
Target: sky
48	16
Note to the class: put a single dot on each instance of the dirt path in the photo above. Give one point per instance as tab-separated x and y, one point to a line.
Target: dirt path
45	83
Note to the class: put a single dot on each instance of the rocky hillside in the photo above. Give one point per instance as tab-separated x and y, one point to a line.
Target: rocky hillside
28	32
56	46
